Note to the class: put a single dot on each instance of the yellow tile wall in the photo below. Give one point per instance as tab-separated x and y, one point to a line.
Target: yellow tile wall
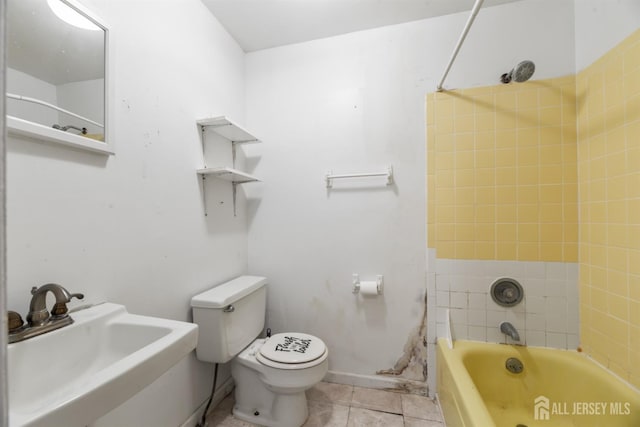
502	178
608	118
502	172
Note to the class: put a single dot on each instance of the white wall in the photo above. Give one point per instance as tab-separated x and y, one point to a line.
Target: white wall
130	228
602	24
85	98
19	83
356	103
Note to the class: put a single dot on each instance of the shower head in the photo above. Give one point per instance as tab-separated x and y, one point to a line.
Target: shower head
520	73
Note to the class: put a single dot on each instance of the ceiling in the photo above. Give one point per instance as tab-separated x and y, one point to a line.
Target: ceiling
262	24
43	46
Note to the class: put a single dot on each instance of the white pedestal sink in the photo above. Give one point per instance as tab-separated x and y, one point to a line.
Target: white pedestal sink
74	375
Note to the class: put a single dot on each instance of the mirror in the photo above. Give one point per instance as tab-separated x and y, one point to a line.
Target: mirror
57	81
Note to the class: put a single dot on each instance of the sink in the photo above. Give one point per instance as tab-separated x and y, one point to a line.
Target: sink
74	375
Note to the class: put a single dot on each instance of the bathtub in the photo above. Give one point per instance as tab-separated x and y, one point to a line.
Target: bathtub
555	388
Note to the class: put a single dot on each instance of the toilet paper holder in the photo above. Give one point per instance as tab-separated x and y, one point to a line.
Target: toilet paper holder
357	284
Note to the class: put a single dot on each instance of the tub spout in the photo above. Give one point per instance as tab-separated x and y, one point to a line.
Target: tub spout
508	329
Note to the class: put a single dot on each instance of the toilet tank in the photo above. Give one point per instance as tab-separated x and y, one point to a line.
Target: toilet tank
229	317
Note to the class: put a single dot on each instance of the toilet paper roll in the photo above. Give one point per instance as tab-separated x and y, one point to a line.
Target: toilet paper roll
369	288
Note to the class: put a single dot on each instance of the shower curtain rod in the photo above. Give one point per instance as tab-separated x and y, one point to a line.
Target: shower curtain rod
474	12
46	104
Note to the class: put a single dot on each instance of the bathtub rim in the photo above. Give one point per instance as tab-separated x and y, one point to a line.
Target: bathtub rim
465	393
455	357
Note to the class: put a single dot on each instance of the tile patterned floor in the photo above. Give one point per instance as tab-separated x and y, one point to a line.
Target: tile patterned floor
339	405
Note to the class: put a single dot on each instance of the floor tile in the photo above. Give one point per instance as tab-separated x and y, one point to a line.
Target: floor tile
417	422
331	392
220	419
221	416
340	405
416	406
378	400
231	422
325	414
361	417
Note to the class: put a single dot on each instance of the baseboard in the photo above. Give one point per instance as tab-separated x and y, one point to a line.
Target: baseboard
378	381
218	396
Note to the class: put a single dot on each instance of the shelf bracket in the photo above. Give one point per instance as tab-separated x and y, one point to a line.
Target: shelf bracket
203	145
204	195
234	186
233	154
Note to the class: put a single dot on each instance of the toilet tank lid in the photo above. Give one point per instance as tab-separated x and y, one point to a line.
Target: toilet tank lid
228	292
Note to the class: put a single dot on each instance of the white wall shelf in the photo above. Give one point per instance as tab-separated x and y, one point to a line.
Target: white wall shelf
225	130
228	174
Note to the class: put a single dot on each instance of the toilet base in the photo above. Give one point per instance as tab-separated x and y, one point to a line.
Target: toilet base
287	410
279	404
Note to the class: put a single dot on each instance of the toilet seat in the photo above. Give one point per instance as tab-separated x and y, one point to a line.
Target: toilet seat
292	350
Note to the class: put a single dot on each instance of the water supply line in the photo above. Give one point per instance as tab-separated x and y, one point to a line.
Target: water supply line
474	12
203	420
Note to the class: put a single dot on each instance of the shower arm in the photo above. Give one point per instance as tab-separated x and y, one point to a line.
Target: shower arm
82	130
474	12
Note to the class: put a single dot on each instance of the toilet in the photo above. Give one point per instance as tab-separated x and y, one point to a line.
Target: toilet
270	374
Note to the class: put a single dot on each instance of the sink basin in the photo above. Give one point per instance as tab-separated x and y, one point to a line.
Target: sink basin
74	375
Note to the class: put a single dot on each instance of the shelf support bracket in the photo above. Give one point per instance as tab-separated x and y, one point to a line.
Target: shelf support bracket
204	195
234	186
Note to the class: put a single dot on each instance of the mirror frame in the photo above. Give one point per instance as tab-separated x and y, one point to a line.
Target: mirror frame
26	128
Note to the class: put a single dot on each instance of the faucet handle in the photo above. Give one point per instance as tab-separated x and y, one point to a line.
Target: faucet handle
60	308
14	321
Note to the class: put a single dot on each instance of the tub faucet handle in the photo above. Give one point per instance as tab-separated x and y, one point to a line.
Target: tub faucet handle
14	321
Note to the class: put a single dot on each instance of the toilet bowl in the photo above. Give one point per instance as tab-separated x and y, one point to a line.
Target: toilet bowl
272	392
270	374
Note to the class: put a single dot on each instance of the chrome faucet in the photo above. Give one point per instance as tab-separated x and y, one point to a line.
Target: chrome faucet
39	321
508	329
